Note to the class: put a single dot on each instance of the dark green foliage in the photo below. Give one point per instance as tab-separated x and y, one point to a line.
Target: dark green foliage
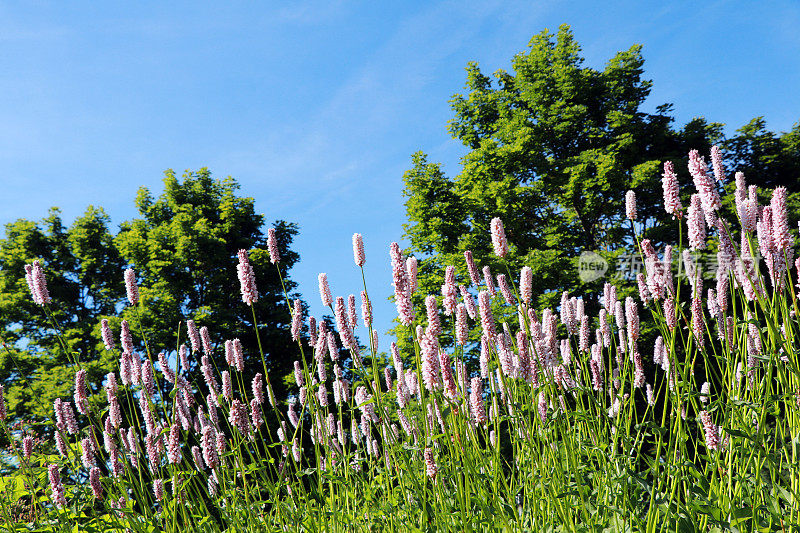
183	248
554	145
83	271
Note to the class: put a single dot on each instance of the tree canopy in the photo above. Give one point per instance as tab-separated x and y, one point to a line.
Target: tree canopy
553	146
83	271
183	248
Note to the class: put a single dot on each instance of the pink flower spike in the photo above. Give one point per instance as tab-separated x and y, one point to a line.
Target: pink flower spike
194	335
205	337
499	238
148	379
229	352
412	268
449	291
55	485
672	199
526	284
238	355
174	446
430	464
487	318
247	279
40	284
780	224
352	313
27	447
325	290
542	407
434	326
37	284
711	431
696	224
297	319
345	332
462	332
716	162
130	287
239	417
505	290
430	362
105	332
705	186
68	415
312	331
209	446
272	246
630	205
81	398
258	385
358	250
476	401
632	317
125	338
487	277
158	489
474	275
227	385
469	302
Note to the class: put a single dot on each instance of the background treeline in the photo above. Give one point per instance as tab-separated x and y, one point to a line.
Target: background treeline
183	248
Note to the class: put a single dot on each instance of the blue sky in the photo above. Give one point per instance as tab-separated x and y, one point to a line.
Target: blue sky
316	107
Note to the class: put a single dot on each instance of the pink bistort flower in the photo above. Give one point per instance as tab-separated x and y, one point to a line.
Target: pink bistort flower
194	335
272	246
55	485
430	464
434	325
630	205
781	237
461	324
696	224
672	199
247	279
37	284
105	332
716	162
358	250
487	318
499	238
81	393
130	287
474	275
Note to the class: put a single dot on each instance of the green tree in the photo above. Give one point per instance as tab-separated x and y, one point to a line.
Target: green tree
553	147
83	273
183	249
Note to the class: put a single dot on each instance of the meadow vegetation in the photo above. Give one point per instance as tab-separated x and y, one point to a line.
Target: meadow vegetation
564	421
